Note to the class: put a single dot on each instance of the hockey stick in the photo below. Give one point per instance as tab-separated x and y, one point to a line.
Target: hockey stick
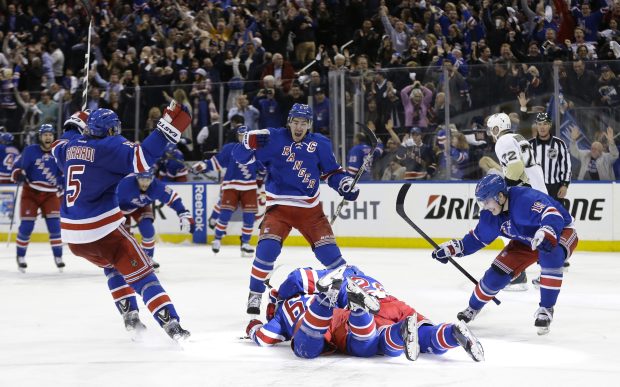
367	160
8	238
400	209
89	12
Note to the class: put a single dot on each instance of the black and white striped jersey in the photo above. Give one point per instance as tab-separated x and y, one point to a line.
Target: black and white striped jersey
553	157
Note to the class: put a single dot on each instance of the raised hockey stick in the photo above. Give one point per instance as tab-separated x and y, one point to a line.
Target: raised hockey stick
400	209
367	160
89	11
8	238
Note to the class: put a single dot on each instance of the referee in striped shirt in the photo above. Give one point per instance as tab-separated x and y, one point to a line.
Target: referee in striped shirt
552	155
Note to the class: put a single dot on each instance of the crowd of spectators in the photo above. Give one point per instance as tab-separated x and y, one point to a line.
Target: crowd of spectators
248	61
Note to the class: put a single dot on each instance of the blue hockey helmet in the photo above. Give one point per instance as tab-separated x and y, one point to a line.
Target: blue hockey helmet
300	110
100	121
242	129
6	138
489	187
46	128
148	174
170	148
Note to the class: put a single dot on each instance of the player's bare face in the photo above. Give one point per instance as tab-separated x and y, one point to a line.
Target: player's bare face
490	204
47	139
144	184
299	127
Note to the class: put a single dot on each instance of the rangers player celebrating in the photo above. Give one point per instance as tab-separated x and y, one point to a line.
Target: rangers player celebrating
42	178
296	160
539	228
92	222
135	194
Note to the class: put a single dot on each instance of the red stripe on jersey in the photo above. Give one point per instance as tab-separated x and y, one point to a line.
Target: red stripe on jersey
122	292
136	155
441	339
481	296
266	339
310	277
315	321
363	331
309	201
155	303
553	282
258	273
148	244
390	342
89	226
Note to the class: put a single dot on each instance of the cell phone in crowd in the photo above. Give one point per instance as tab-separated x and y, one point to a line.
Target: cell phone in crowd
546	44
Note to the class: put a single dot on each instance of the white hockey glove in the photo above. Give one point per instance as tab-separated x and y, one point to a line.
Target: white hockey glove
174	121
451	248
255	139
347	190
199	167
187	223
544	239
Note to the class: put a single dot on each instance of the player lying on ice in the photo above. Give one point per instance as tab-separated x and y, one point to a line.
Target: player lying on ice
539	228
351	313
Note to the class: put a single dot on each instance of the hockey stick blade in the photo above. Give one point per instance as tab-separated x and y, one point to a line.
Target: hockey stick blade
367	160
400	210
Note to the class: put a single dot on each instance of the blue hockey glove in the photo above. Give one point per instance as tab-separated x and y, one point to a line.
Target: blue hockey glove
187	222
544	239
346	189
451	248
255	139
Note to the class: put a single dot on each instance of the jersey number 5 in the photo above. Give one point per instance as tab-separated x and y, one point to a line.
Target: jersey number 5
74	185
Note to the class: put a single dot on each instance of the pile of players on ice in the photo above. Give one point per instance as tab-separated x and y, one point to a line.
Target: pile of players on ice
91	181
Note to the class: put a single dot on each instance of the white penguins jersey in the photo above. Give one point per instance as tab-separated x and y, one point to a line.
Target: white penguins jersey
516	157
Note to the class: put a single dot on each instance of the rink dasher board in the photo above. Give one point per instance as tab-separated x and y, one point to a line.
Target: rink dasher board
444	210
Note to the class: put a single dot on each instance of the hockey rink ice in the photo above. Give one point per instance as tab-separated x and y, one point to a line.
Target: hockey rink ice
63	329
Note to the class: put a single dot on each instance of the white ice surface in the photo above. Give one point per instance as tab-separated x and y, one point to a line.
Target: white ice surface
63	329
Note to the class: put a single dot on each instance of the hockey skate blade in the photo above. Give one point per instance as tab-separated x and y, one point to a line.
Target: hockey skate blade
412	345
542	331
247	254
516	288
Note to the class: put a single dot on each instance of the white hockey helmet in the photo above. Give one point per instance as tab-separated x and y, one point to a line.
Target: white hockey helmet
501	121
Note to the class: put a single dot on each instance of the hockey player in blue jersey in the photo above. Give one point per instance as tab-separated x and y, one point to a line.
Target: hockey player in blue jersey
75	125
341	314
8	155
172	167
357	154
37	169
238	189
539	228
296	161
92	222
135	194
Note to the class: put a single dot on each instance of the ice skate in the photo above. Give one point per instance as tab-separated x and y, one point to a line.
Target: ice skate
21	264
468	341
544	316
519	284
409	333
59	263
467	315
212	223
254	300
359	299
215	245
536	282
175	331
247	250
329	280
132	321
155	265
